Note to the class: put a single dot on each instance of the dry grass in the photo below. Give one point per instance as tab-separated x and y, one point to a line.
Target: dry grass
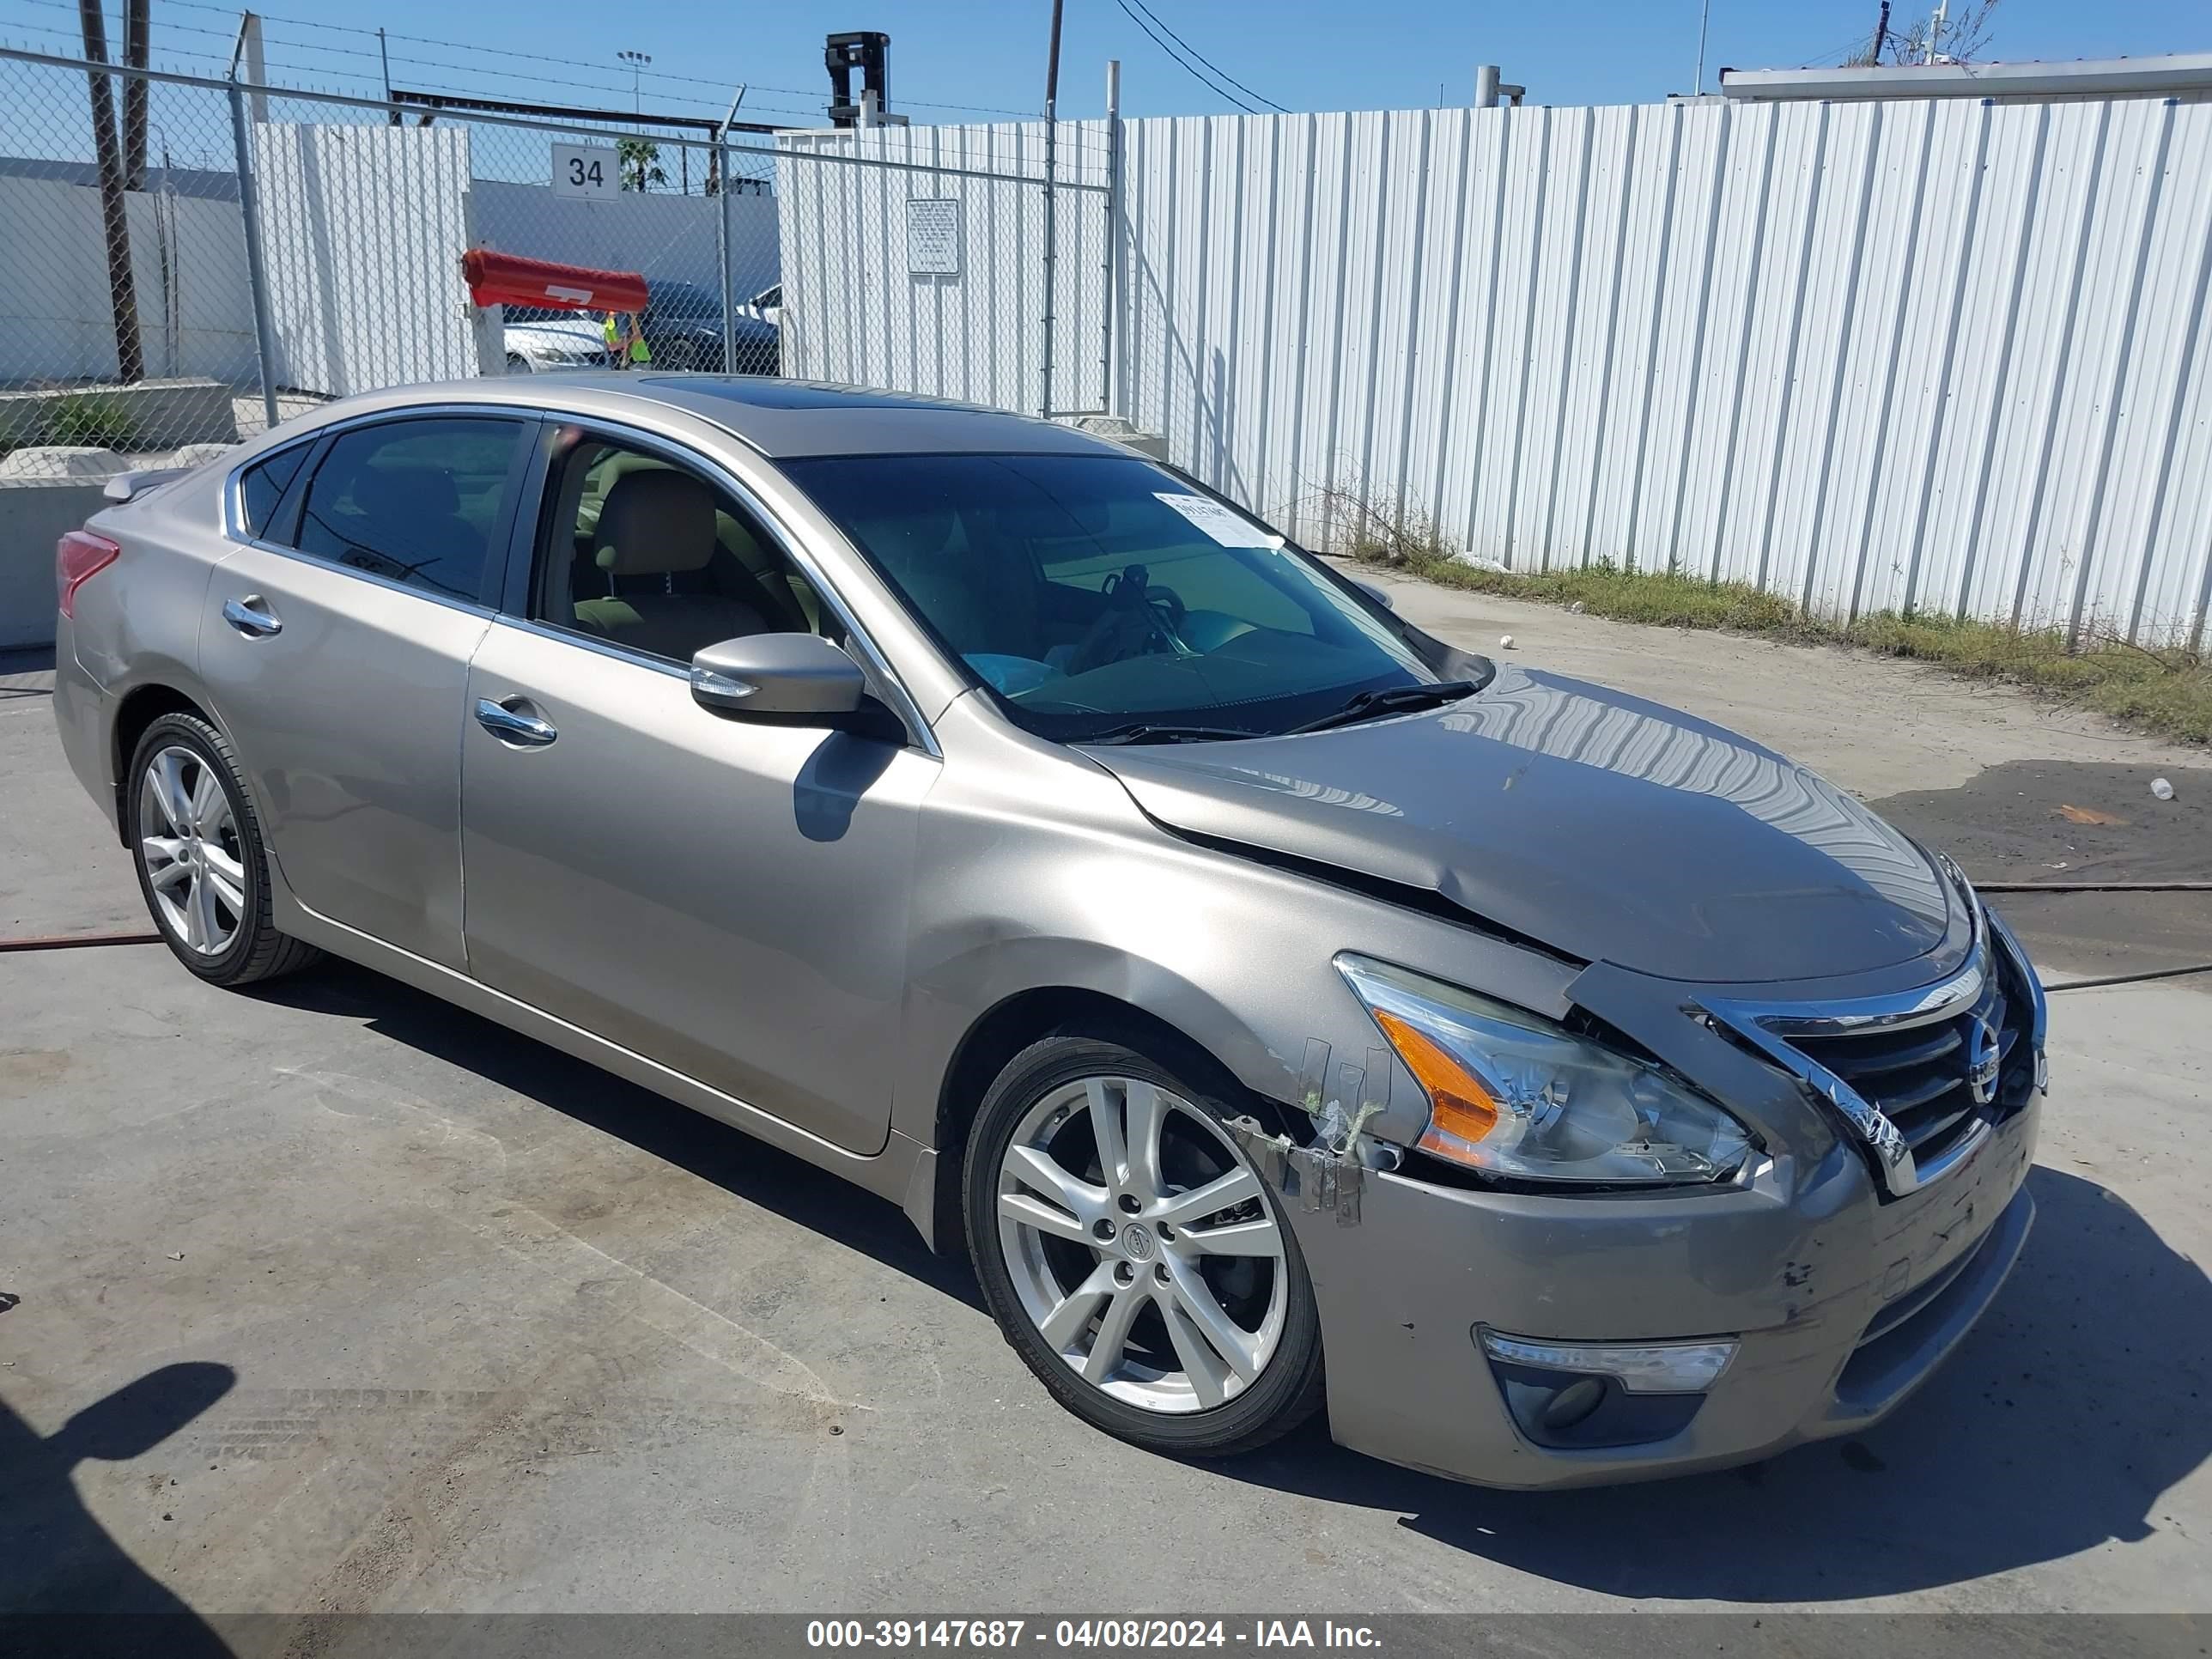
2164	691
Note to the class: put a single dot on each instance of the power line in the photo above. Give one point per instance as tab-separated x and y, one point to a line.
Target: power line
1202	58
449	69
1196	74
721	86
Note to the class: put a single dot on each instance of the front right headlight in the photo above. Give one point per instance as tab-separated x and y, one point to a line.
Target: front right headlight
1516	1094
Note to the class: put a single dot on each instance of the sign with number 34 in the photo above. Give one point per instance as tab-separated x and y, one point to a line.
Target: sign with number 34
585	170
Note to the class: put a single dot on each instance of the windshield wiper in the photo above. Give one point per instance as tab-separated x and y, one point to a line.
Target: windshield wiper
1140	733
1397	700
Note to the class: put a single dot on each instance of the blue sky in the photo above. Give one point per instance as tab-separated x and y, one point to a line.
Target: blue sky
1304	54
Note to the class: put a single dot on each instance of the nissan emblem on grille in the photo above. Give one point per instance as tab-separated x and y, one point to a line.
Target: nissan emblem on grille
1984	1056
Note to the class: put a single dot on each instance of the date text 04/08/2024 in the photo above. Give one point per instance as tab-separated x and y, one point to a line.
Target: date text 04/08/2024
1087	1633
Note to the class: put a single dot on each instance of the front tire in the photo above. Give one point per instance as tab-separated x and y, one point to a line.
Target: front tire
202	867
1133	1257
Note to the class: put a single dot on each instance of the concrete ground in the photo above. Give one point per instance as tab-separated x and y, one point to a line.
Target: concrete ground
384	1309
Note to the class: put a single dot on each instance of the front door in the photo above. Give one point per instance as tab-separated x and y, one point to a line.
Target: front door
727	898
339	666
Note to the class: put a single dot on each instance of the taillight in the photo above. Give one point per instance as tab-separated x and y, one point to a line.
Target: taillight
78	557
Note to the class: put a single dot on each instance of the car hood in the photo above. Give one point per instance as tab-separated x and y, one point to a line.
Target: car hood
1605	826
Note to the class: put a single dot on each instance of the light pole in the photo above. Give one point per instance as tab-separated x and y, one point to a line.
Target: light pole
637	62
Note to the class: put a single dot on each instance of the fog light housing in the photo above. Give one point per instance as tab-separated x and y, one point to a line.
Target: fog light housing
1575	1396
1574	1404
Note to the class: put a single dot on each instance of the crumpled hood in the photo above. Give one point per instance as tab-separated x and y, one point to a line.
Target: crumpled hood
1609	828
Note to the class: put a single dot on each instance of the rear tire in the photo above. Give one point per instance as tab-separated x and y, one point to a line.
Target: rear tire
203	865
1205	1312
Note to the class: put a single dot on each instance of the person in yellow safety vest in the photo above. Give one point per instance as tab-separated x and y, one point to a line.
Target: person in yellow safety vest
626	346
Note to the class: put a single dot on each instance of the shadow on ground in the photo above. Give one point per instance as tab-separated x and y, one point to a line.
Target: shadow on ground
749	1168
2077	1402
55	1557
2058	1424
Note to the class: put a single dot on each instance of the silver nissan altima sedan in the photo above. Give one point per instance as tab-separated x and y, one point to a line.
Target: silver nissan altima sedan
1276	1001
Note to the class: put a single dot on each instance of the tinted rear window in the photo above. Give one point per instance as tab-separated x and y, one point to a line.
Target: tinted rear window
265	483
413	502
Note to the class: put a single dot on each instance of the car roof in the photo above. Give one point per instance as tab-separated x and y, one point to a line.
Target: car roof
780	419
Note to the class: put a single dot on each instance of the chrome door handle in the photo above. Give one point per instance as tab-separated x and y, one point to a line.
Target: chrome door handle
509	726
249	618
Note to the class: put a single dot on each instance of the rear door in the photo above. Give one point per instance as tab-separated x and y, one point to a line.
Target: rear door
728	898
336	648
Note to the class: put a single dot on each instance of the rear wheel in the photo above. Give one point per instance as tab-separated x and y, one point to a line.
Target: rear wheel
202	866
1132	1256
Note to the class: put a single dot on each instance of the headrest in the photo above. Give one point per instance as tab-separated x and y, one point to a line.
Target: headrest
656	523
400	493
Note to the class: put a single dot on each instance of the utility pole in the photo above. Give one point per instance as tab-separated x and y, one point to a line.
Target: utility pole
121	292
1051	236
1935	30
137	48
384	56
1107	399
1704	16
1880	36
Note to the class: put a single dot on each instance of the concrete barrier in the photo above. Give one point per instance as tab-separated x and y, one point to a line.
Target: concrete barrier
32	518
146	415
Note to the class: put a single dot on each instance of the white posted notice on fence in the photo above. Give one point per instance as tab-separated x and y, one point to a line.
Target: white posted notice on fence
932	236
1230	529
585	170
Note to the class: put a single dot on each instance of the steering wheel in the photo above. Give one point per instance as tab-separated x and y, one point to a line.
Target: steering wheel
1171	609
1163	606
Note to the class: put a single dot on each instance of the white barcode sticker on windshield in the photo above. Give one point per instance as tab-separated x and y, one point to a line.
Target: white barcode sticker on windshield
1228	528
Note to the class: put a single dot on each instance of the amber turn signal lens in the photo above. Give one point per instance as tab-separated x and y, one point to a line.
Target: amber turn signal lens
1459	1105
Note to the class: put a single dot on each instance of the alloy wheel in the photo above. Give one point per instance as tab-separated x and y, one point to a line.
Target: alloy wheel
189	843
1141	1245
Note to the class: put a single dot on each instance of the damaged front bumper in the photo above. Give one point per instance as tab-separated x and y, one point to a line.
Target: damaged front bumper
1837	1306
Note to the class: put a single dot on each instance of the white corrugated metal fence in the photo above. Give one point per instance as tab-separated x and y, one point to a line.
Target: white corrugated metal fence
1932	355
1940	356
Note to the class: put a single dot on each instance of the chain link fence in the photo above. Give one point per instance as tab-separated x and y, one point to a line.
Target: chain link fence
184	260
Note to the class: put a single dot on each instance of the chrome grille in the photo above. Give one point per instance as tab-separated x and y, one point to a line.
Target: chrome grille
1921	1077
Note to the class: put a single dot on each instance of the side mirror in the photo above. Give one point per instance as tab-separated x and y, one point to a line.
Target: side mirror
1373	593
799	677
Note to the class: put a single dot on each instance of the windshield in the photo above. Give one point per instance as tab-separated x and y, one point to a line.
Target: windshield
1092	592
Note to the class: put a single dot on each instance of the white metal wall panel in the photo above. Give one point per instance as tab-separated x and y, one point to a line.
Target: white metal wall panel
1940	356
1917	355
2140	491
363	228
